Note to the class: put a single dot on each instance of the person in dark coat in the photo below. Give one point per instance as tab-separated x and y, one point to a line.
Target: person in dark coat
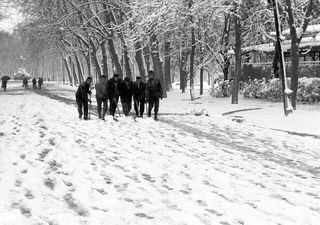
139	95
154	92
101	96
82	97
34	83
113	92
125	91
40	82
25	83
4	85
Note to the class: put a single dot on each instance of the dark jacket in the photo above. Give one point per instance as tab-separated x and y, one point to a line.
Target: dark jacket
25	81
113	88
34	81
153	88
101	90
139	92
83	91
125	89
40	81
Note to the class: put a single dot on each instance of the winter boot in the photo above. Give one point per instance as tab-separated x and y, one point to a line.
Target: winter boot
156	116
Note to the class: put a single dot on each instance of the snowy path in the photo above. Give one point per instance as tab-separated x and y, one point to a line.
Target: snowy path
55	169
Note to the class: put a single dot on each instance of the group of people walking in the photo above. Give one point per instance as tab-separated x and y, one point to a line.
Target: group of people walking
34	83
108	93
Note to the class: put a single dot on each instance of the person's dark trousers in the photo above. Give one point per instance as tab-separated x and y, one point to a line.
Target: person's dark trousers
113	106
83	104
126	106
139	107
154	102
103	103
39	86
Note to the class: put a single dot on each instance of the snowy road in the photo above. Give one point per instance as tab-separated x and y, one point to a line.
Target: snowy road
58	170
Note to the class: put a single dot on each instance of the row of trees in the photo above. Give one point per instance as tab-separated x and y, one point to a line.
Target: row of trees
188	37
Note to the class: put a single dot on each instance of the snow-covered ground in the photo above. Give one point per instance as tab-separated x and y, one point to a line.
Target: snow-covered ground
185	169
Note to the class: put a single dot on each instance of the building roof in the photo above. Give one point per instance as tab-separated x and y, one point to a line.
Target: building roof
306	42
311	38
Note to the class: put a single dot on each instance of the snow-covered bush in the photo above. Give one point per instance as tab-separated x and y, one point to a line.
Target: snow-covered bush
221	89
274	90
308	89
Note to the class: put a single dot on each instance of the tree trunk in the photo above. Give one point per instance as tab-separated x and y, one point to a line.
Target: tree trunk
114	57
183	72
167	71
73	71
53	71
80	72
95	59
63	72
68	70
139	60
237	74
104	58
88	60
146	52
127	61
225	43
157	64
193	49
295	42
201	81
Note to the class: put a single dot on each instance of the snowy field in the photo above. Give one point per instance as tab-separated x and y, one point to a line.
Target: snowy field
181	170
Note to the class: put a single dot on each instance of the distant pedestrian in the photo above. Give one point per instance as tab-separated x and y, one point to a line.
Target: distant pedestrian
4	85
113	92
25	83
34	83
154	92
139	89
101	96
40	82
82	97
125	92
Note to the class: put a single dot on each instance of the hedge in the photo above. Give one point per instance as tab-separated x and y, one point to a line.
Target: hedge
308	89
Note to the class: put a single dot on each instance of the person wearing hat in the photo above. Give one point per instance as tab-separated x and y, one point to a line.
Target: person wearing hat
139	89
101	96
82	97
154	92
125	92
113	92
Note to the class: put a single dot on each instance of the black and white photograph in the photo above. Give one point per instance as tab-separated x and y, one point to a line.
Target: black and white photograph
160	112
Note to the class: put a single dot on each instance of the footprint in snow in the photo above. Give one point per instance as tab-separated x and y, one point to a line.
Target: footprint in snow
143	215
75	206
214	212
202	203
50	183
148	177
29	194
44	153
52	141
18	183
26	211
121	187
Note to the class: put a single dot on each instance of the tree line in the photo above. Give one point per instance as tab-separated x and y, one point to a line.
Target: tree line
174	38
